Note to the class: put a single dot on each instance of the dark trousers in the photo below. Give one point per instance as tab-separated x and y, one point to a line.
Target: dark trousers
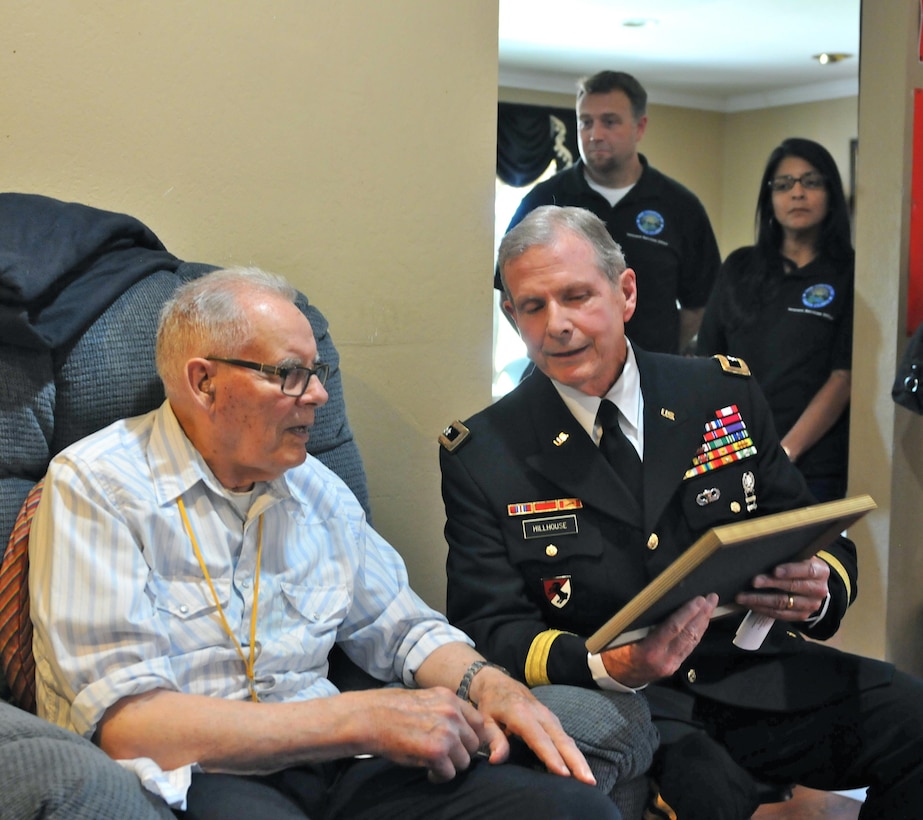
872	738
365	789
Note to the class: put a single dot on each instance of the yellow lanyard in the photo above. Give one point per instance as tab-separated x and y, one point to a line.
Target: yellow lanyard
248	663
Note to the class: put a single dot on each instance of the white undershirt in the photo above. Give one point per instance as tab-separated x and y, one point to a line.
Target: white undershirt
612	195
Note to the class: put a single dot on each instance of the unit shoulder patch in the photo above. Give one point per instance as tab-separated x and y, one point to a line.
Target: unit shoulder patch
454	436
732	365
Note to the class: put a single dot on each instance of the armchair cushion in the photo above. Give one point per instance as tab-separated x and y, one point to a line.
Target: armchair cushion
108	373
46	771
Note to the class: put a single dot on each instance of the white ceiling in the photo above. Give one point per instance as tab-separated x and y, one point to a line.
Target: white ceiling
721	55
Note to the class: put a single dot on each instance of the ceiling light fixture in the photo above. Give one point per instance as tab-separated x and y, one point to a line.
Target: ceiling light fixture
827	57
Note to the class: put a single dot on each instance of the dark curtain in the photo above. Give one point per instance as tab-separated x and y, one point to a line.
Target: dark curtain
529	137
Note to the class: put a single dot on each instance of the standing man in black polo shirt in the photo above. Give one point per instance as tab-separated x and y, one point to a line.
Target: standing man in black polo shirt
661	226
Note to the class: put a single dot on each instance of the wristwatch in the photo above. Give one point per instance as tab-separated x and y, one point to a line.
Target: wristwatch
470	672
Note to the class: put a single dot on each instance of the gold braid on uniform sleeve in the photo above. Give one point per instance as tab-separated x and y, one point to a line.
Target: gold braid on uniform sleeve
840	570
537	659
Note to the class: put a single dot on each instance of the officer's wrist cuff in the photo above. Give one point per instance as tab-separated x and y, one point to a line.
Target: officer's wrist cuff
602	678
818	616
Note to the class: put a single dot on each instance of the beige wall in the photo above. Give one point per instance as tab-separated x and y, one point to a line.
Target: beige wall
349	146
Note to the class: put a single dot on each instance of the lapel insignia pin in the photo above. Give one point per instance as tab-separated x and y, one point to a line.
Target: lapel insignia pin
667	414
560	438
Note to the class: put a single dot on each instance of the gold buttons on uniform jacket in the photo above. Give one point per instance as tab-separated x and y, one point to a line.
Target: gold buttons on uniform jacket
735	506
653	541
551	550
690	676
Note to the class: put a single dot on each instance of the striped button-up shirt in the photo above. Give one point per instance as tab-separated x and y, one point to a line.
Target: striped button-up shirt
121	606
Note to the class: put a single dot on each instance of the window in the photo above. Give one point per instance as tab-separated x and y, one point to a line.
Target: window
509	353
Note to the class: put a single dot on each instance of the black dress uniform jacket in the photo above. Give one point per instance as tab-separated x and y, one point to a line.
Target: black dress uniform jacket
529	582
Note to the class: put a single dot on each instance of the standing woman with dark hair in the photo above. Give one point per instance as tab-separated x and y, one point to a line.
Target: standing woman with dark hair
785	306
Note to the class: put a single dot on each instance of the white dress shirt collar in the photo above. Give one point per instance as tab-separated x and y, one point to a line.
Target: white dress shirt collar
624	394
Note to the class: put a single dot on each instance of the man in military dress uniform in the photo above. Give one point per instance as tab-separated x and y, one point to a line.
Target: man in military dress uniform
549	535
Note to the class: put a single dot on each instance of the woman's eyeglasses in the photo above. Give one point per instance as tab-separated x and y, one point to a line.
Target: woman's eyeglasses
811	181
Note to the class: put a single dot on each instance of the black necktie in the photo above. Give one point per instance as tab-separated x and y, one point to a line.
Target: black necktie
618	450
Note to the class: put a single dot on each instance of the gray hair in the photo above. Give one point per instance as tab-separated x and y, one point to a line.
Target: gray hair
207	316
544	225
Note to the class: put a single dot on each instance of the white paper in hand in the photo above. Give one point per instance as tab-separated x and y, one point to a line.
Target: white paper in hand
752	631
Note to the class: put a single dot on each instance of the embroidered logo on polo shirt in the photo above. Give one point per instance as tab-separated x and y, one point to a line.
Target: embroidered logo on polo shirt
818	296
649	223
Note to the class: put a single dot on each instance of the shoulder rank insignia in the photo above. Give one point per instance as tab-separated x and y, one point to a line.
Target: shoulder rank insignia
732	365
454	436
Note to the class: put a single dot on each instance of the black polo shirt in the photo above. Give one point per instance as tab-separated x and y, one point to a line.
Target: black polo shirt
791	346
665	235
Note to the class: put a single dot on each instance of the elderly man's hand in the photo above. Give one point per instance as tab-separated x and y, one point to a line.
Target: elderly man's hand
430	728
660	653
793	592
507	706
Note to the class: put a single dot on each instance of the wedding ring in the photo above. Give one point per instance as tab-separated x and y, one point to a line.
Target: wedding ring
791	601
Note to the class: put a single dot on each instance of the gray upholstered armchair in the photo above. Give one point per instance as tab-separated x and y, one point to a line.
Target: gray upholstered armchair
80	294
